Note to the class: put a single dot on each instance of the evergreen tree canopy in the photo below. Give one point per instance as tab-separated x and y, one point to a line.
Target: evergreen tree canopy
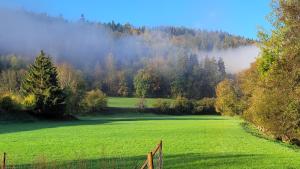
41	81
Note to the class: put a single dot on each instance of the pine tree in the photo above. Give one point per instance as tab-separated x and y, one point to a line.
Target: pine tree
41	81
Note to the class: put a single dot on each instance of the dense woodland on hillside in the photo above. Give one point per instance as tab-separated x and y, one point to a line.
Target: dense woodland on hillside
165	63
267	94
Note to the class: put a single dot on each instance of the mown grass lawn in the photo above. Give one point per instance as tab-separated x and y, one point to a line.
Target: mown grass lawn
124	102
123	142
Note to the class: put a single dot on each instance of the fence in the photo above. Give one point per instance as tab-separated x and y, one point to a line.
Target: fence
42	162
154	158
154	161
3	166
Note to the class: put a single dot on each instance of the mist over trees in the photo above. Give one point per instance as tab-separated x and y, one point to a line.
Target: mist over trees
110	56
92	60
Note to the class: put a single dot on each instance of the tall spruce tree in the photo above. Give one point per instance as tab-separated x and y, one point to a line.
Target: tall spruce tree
41	81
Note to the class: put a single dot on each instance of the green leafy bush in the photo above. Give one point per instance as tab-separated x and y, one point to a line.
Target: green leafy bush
182	105
141	104
6	103
95	100
10	103
205	106
162	106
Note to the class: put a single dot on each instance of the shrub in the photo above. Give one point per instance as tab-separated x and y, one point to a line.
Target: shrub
29	102
10	102
73	100
141	104
6	103
94	100
205	106
162	106
182	105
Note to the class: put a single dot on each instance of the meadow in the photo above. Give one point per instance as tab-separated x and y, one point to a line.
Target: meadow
123	140
121	102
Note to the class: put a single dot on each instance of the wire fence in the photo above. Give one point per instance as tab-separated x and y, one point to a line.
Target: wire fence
154	158
103	163
154	161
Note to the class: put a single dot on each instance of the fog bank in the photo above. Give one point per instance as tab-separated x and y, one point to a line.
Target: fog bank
236	59
24	33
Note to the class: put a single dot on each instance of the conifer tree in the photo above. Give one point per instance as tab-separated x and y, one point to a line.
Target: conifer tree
42	82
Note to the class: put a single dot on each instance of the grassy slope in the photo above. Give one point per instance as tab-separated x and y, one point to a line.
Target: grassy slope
189	142
129	102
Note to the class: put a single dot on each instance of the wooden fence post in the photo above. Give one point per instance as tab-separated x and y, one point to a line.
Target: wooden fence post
160	155
4	160
150	161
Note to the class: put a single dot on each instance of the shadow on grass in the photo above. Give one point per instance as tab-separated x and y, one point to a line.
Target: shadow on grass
180	161
95	119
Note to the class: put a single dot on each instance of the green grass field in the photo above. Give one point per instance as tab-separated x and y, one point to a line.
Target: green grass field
129	102
123	140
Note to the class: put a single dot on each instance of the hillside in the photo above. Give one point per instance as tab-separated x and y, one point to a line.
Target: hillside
95	40
109	55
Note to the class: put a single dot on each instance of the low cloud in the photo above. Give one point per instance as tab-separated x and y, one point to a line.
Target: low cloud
24	33
236	59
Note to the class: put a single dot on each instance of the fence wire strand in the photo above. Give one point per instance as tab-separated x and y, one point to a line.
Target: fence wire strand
7	162
157	158
74	164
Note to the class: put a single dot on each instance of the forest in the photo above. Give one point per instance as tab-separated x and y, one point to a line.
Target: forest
160	62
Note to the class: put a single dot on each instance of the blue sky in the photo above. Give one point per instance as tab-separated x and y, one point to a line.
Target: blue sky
239	17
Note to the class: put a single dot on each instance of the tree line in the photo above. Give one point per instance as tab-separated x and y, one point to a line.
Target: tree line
267	94
49	89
